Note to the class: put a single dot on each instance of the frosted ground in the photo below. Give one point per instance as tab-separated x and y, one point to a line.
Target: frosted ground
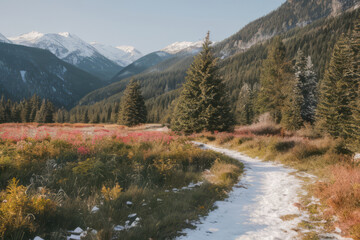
266	192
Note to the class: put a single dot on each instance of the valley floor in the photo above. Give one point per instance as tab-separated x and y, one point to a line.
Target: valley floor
263	205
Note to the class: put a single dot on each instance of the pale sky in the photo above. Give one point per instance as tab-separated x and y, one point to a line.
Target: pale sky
148	25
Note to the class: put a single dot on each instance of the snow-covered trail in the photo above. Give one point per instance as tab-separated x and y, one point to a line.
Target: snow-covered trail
266	192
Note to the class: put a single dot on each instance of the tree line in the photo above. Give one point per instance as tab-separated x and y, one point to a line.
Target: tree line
130	112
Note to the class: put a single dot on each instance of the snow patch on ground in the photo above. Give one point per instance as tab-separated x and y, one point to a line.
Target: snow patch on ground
266	192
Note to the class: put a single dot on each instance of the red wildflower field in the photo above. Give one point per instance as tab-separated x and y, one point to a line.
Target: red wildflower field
78	133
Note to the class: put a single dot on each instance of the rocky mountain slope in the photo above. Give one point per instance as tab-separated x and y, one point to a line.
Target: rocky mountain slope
25	71
73	50
291	14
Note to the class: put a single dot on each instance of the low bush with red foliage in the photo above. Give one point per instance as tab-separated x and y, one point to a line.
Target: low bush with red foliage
78	133
342	194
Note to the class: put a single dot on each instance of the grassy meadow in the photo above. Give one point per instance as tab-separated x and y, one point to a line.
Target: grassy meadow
111	181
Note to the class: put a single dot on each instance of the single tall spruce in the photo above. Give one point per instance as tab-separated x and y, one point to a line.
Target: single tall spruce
355	74
274	81
307	83
45	114
291	112
133	109
203	103
338	92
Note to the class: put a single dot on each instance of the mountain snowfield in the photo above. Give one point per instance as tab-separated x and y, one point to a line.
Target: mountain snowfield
122	55
182	46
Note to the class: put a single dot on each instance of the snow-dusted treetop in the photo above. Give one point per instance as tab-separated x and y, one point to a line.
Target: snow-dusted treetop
182	46
4	39
122	55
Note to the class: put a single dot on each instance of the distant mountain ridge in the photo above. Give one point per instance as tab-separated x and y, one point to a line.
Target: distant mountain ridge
71	49
122	55
25	71
183	47
291	14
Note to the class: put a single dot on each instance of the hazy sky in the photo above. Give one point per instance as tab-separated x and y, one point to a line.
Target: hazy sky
148	25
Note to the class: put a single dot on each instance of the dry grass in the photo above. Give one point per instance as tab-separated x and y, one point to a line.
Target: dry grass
342	194
223	174
261	128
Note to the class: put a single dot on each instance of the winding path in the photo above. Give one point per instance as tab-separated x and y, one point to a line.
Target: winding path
266	192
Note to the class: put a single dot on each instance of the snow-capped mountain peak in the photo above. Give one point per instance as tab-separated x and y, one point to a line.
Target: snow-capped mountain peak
61	44
122	55
126	48
72	49
27	37
182	46
4	39
64	34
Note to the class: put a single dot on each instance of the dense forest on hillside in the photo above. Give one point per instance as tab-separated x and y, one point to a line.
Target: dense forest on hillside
292	14
160	88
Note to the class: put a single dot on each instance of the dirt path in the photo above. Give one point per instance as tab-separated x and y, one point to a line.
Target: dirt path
266	192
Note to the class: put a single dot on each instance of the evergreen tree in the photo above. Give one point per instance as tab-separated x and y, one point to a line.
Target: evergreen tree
274	80
203	104
49	114
133	110
309	92
15	113
337	92
355	74
244	108
41	114
85	117
7	111
307	85
25	111
291	113
35	106
114	113
59	116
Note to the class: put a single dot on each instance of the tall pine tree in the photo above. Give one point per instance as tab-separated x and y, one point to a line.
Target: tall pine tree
291	112
337	91
274	81
203	104
133	110
354	72
307	84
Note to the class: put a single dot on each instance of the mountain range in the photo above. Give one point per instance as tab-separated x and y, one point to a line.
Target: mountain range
73	50
162	72
92	65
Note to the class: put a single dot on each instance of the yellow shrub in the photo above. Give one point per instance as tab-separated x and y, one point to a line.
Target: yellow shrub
111	193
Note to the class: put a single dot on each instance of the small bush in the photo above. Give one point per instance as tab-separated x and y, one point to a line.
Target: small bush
225	138
306	150
244	139
342	194
284	146
211	138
